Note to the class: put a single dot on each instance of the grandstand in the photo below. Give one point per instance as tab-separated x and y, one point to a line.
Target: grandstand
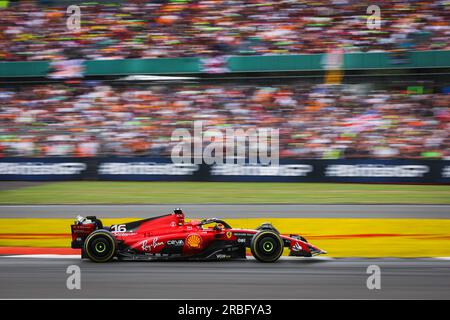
250	63
36	30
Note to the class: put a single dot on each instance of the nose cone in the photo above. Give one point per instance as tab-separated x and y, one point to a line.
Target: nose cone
315	251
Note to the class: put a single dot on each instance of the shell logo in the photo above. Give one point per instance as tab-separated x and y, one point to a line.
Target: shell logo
194	241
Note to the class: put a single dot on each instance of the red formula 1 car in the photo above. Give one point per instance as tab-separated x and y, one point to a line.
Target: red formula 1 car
170	237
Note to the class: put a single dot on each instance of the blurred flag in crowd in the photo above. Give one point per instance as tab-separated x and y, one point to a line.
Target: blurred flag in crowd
66	69
332	62
215	65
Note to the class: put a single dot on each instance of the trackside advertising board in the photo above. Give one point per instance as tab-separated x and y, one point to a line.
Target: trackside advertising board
162	169
43	169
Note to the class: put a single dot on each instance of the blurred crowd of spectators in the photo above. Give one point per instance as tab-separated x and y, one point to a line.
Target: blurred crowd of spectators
30	31
315	121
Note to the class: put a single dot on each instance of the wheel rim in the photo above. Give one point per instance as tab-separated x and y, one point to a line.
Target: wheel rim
267	246
100	247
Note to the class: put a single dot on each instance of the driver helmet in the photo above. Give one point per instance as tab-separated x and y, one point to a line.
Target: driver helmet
180	215
219	226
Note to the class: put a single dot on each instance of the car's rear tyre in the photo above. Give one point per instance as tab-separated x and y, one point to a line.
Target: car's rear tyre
100	246
267	246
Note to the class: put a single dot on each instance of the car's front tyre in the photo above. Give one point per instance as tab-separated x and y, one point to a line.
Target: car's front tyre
267	246
100	246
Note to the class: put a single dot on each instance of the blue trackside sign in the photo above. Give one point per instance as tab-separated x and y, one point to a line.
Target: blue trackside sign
287	170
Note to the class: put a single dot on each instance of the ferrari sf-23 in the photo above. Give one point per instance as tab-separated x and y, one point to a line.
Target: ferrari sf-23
170	237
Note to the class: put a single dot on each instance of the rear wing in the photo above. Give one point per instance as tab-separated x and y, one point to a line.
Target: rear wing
82	227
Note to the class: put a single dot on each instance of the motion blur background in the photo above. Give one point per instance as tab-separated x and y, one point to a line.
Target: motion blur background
354	100
335	88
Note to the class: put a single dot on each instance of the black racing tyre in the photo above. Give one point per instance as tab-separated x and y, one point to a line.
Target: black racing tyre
100	246
267	246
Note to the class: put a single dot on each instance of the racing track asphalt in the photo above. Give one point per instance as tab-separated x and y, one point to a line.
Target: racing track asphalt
231	211
286	279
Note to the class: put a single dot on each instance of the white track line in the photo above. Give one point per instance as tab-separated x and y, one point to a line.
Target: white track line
296	258
45	256
77	256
